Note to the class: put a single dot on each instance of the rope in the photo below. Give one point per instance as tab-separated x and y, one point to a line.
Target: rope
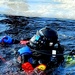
47	53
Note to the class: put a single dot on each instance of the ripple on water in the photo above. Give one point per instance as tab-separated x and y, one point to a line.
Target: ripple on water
3	27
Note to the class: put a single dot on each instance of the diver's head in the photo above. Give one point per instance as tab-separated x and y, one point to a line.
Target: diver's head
43	38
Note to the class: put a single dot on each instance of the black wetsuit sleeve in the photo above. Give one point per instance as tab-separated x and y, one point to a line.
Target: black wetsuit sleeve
15	41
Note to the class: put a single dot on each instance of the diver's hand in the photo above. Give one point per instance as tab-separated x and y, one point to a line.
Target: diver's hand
38	72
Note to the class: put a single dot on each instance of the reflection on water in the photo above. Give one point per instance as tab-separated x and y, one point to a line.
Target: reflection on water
3	27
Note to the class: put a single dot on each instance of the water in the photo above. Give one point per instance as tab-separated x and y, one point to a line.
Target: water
22	27
3	27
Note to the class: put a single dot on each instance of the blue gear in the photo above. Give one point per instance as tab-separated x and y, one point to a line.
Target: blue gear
25	50
7	40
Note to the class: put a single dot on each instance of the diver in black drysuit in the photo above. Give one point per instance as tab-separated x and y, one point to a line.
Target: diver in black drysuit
45	49
43	44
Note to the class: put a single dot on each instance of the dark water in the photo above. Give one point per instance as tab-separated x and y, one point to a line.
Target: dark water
19	27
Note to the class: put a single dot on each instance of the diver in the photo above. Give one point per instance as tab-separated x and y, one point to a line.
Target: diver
42	48
45	41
